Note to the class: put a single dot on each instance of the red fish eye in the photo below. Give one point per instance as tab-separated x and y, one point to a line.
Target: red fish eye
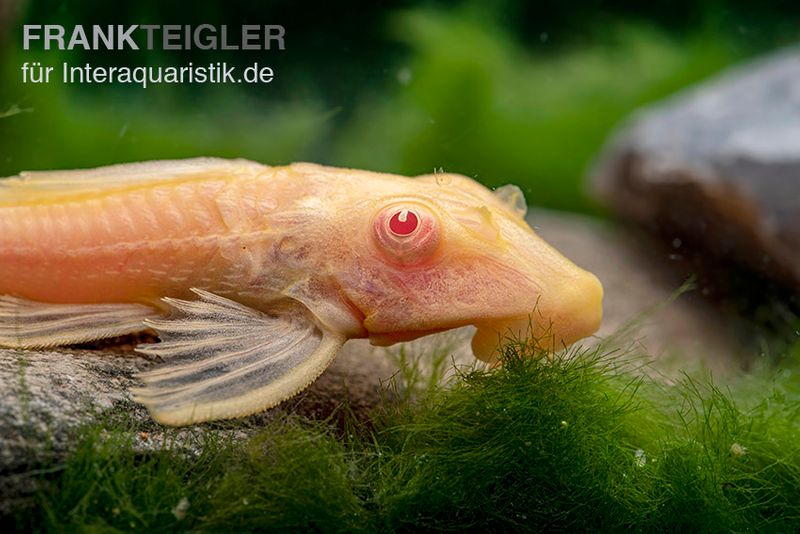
406	233
404	223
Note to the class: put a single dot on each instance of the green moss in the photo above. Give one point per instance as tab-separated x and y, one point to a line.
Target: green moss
530	444
107	484
294	475
582	442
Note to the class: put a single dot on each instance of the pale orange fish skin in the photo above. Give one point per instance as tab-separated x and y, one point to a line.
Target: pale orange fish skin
261	235
133	245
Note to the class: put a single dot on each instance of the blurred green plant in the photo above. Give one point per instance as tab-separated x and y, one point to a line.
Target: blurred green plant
471	100
467	97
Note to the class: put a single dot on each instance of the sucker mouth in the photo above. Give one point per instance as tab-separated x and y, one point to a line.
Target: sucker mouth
543	335
489	337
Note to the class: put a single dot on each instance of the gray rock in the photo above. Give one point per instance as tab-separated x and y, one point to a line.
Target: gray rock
46	396
718	167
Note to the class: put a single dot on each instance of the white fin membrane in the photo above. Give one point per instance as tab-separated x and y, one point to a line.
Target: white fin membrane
30	324
224	359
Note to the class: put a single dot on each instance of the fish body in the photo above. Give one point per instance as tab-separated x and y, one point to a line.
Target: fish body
254	276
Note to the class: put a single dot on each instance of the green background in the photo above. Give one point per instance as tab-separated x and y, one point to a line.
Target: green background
504	91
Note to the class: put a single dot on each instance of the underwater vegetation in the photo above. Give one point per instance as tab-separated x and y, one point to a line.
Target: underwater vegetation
583	441
532	116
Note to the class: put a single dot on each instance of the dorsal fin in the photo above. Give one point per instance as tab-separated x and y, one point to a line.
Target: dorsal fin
36	186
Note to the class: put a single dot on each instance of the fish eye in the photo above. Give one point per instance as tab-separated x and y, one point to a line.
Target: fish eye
404	222
406	233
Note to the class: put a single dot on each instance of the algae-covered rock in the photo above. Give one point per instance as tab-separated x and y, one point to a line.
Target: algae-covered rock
717	168
47	396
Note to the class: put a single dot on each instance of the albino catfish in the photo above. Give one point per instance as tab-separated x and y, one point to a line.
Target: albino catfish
255	276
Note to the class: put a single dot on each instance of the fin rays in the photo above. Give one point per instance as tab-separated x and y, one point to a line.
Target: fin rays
222	359
225	360
29	324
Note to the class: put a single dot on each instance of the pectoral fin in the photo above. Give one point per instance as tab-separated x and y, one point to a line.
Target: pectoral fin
29	324
226	360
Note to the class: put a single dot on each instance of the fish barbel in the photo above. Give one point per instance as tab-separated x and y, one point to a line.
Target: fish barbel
255	276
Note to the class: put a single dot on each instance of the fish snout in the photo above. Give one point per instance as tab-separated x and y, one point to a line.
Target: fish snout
580	313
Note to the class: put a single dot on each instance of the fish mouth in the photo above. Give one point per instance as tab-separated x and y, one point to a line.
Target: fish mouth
544	329
490	337
542	336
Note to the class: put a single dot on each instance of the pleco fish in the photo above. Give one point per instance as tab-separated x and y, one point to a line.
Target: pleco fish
255	276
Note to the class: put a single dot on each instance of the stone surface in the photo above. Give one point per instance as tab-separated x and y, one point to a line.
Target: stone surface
46	395
717	168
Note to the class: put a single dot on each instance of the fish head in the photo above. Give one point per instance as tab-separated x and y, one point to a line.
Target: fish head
443	251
